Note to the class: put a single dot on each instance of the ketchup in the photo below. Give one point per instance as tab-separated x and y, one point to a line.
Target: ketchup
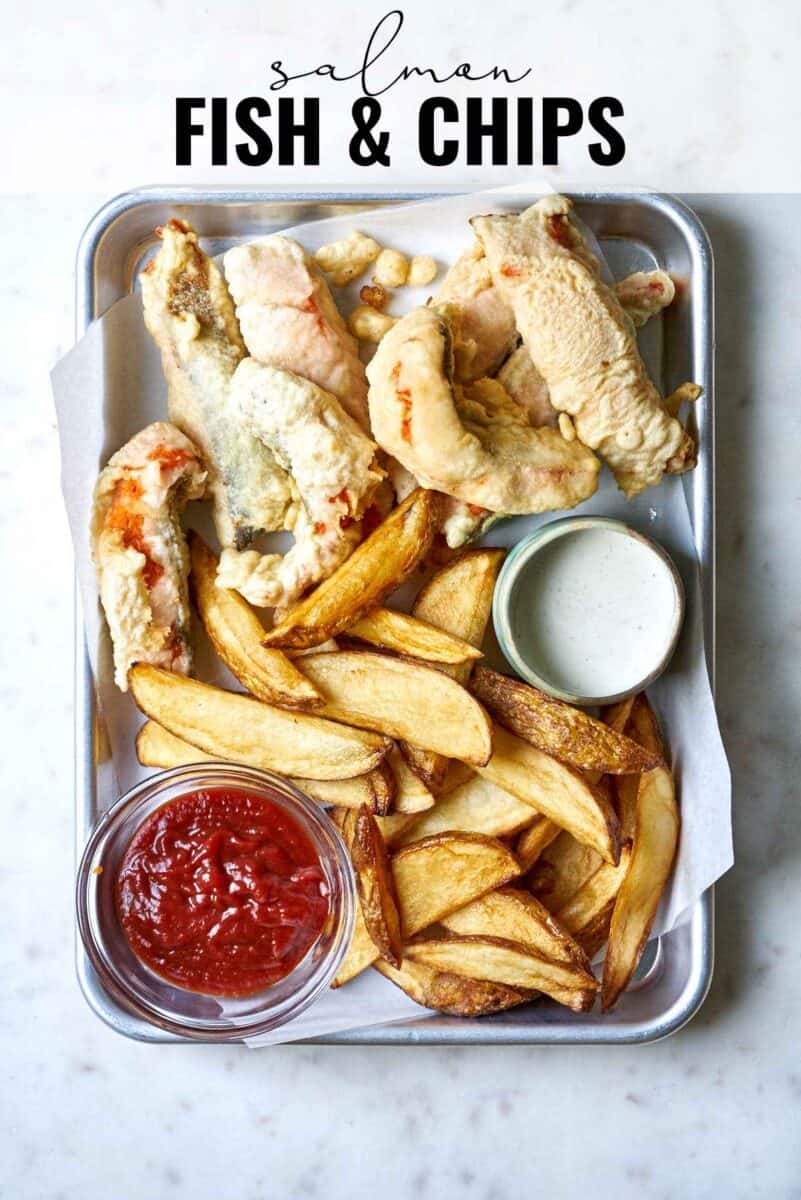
221	892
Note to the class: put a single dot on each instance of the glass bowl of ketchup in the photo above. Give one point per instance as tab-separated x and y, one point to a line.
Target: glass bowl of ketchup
215	901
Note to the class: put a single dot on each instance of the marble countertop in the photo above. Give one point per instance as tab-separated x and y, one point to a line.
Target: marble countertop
712	1111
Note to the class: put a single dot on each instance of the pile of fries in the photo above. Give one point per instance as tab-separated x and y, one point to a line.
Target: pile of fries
500	838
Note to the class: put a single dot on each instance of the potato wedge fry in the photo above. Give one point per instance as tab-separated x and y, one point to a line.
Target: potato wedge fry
411	794
236	634
432	878
617	717
561	870
655	841
362	951
409	635
455	995
241	729
556	790
636	719
588	913
157	747
375	790
516	916
458	599
509	963
391	826
434	875
376	568
478	806
538	836
557	728
376	885
324	648
429	767
402	699
457	774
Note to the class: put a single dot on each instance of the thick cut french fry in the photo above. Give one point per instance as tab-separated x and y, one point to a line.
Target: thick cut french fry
402	699
241	729
457	774
556	790
452	994
405	634
361	952
655	841
392	827
536	837
411	794
376	884
509	963
375	790
380	565
432	878
157	747
458	599
515	915
236	634
557	728
618	717
587	914
434	874
561	869
478	806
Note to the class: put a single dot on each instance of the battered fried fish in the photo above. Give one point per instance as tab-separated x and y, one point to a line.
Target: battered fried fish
190	314
333	465
289	319
140	551
473	443
582	343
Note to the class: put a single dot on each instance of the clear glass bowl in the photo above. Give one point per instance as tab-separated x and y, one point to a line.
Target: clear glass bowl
140	990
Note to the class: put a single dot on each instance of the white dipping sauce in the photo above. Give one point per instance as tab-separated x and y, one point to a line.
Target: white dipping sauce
594	611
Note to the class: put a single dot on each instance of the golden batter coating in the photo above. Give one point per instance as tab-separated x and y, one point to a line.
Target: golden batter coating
191	316
582	343
470	442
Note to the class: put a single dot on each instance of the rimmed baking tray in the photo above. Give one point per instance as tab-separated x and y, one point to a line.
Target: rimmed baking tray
637	231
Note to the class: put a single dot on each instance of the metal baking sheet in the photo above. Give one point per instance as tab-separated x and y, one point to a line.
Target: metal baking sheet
637	231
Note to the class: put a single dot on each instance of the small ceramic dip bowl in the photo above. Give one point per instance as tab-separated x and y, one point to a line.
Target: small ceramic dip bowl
588	609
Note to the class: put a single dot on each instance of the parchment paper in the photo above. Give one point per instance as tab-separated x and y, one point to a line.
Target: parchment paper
110	385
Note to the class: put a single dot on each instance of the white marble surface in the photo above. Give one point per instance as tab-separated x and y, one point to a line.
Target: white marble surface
710	1112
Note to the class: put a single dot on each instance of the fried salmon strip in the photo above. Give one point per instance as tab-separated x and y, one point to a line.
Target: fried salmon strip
333	465
190	314
582	343
642	295
289	319
471	442
140	551
487	330
487	343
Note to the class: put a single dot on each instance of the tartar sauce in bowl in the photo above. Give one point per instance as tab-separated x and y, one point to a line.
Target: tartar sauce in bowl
588	609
